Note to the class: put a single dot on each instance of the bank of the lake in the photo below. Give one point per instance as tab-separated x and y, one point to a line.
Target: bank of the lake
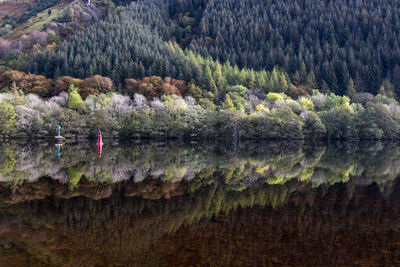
318	116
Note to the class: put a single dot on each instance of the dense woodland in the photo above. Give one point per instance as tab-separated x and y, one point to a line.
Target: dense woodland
325	44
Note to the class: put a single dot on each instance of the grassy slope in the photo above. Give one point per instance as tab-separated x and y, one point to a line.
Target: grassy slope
38	22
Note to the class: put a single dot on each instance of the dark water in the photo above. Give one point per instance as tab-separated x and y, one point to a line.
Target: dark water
192	204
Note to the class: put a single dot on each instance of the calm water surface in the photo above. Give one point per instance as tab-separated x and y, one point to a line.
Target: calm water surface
194	204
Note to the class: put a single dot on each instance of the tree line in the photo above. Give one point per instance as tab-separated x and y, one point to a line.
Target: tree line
239	115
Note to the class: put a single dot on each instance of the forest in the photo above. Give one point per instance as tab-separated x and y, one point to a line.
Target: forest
222	69
332	43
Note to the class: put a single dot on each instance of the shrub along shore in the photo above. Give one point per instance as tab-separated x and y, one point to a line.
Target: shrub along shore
238	116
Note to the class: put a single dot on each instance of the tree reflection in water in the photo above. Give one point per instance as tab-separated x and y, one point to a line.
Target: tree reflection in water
175	204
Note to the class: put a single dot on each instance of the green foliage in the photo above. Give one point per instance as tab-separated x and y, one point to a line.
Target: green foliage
35	9
209	80
186	20
228	103
387	88
307	103
238	89
340	123
74	176
195	91
66	16
52	37
74	98
289	123
335	101
313	127
207	104
311	82
351	90
220	116
7	118
368	125
219	78
119	9
7	161
145	53
274	97
266	39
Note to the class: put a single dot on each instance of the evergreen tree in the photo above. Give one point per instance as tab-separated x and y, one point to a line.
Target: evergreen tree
208	81
311	83
351	90
220	80
296	79
396	80
303	73
228	103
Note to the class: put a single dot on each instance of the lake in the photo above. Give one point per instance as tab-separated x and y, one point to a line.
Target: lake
200	204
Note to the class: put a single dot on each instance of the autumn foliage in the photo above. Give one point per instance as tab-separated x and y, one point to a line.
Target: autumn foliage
29	83
153	86
62	84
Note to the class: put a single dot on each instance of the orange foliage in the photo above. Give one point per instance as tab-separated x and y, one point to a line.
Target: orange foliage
62	84
96	84
181	85
10	76
155	86
29	83
90	86
297	91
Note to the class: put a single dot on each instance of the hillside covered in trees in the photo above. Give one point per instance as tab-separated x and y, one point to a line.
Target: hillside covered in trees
326	45
226	69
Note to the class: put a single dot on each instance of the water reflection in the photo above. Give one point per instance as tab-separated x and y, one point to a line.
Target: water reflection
236	166
285	203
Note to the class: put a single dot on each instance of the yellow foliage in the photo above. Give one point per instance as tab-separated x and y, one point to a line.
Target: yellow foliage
307	103
306	174
262	108
275	180
261	170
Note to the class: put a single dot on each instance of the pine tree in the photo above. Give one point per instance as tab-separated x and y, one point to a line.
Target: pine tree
220	80
324	87
386	88
283	84
274	81
228	103
251	80
296	79
396	80
194	91
209	82
351	90
303	73
311	83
